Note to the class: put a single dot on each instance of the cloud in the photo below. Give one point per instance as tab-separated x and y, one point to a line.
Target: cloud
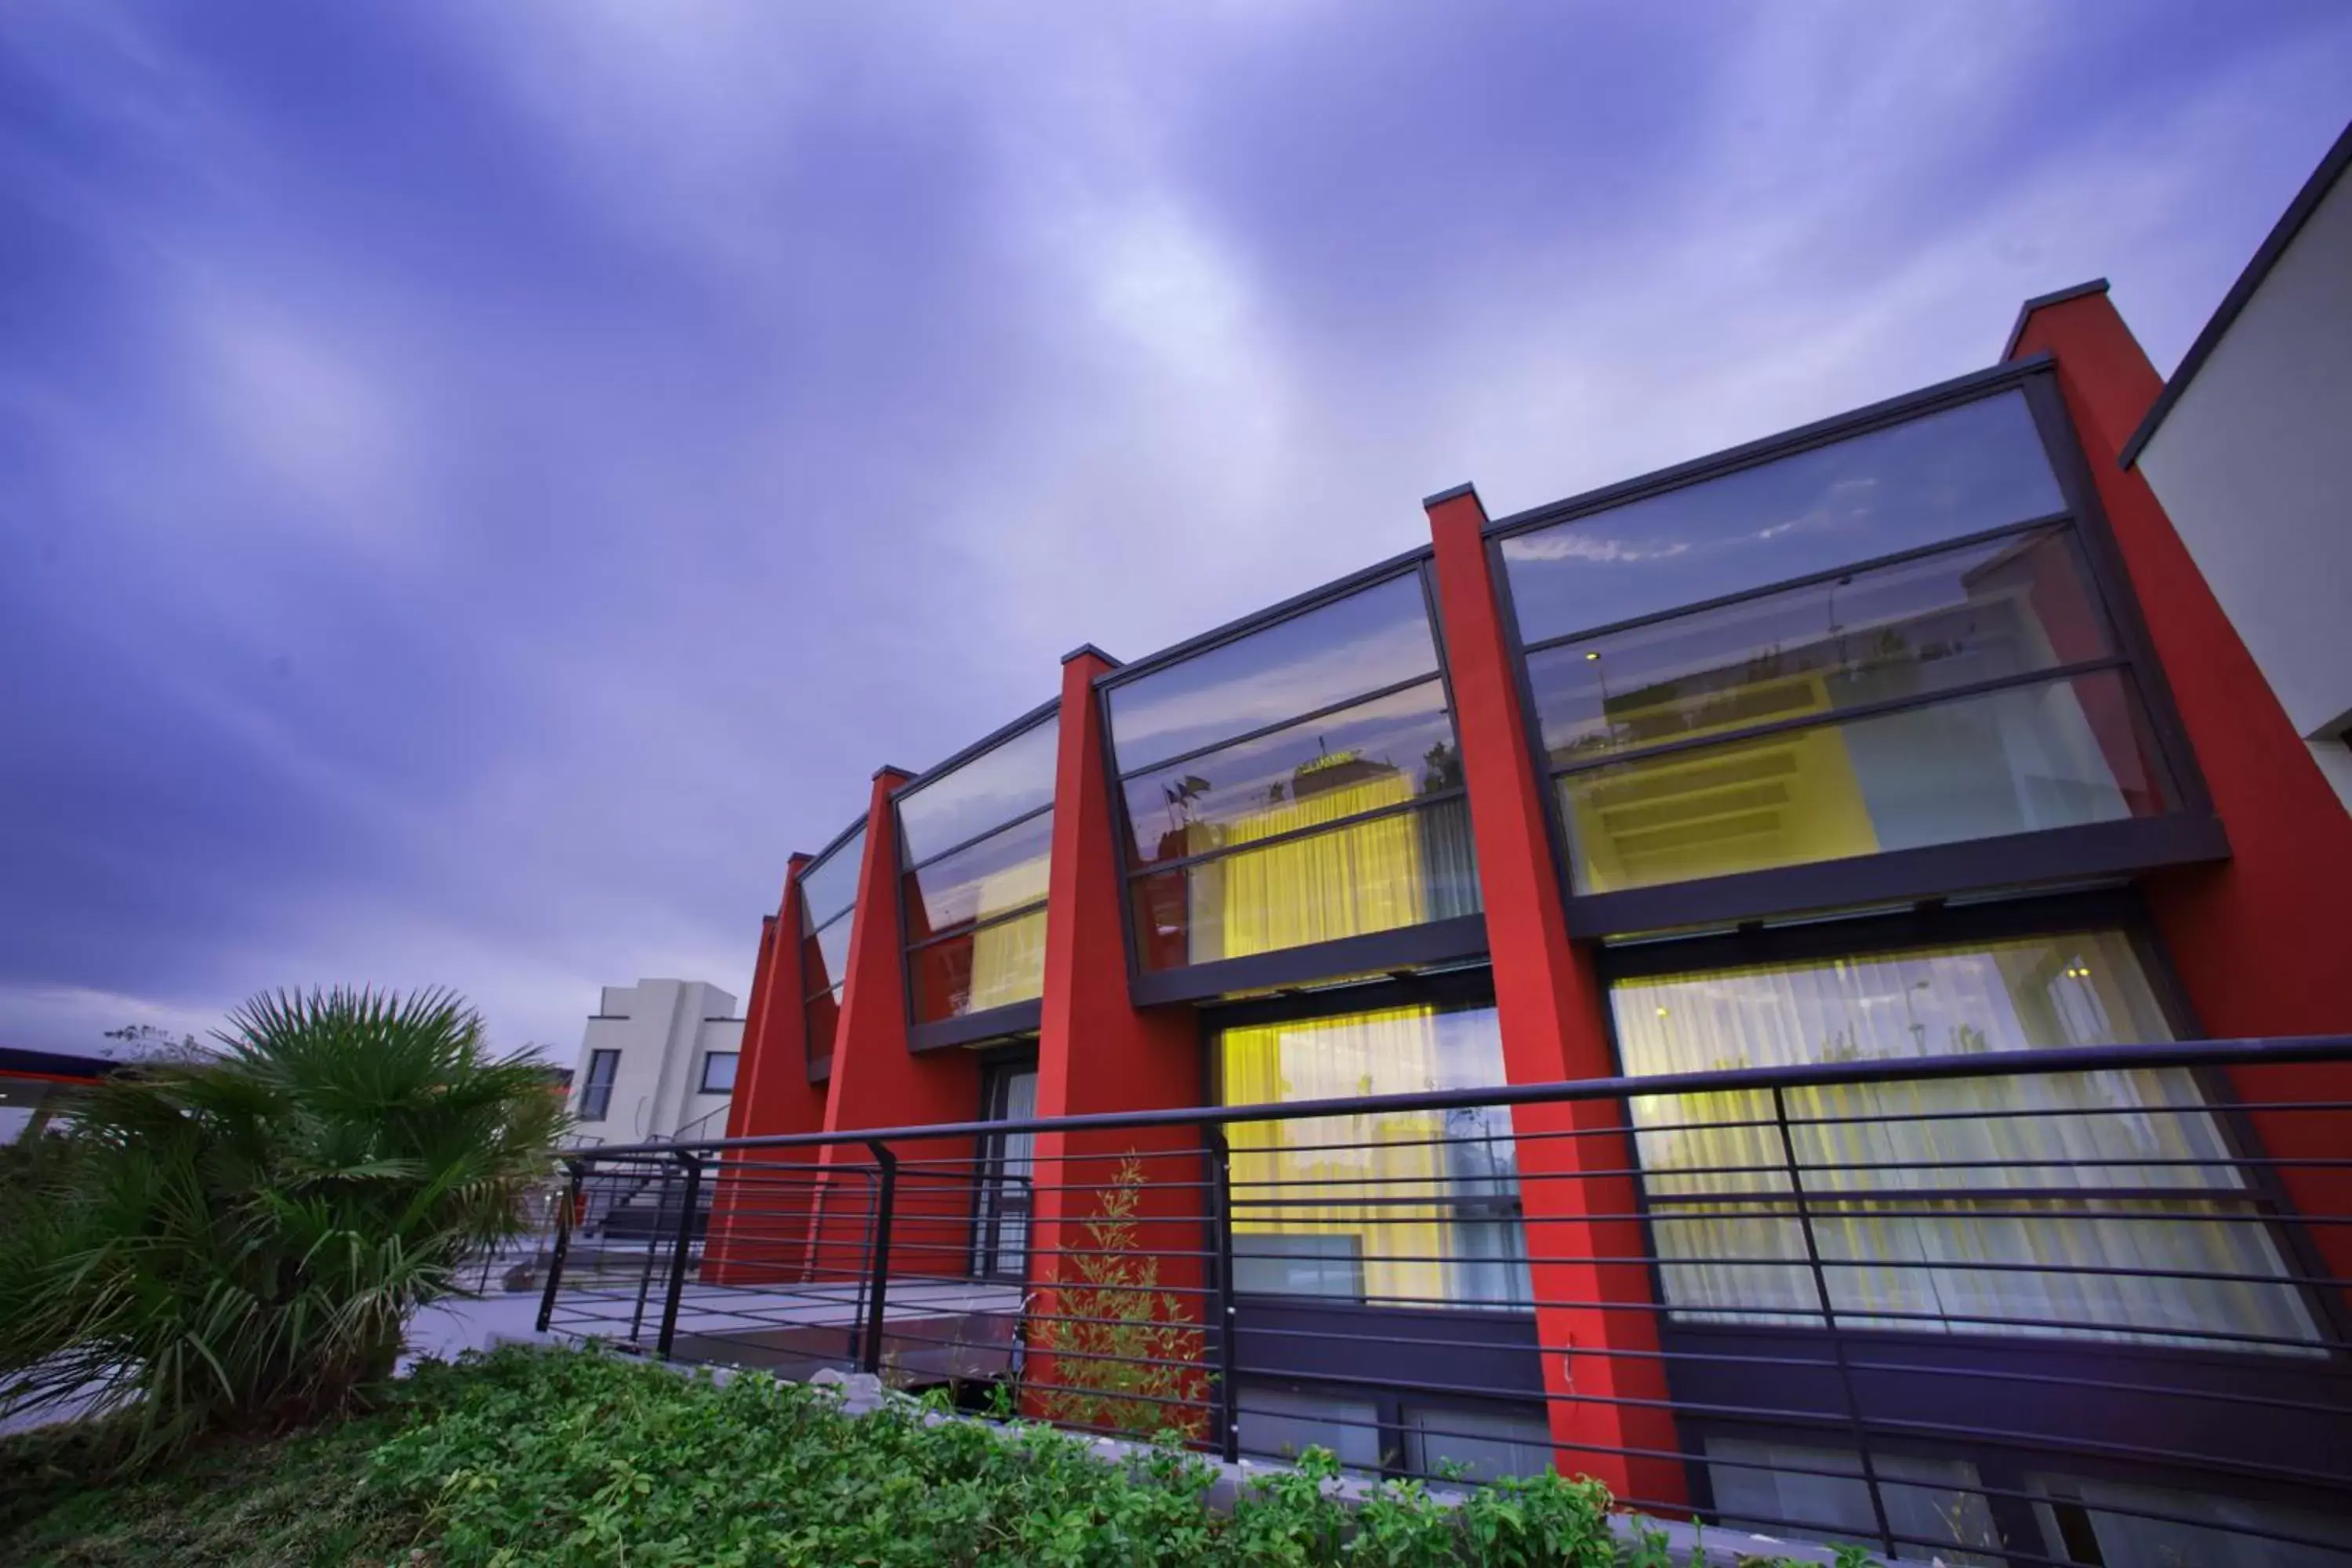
480	485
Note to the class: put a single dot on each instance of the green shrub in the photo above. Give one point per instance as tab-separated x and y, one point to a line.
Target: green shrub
575	1458
1115	1353
239	1242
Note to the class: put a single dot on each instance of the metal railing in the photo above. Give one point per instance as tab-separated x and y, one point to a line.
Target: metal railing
2069	1306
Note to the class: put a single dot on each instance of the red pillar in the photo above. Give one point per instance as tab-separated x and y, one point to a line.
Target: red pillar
1595	1320
878	1082
2259	940
758	1210
1097	1052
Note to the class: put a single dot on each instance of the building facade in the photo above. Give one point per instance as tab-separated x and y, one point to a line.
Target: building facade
1914	732
2241	448
658	1059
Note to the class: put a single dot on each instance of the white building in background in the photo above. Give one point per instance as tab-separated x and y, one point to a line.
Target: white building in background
658	1061
2245	450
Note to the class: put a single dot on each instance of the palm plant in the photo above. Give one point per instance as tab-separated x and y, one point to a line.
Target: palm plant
240	1242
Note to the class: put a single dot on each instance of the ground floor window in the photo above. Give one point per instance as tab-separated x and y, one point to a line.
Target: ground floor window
2105	1205
1410	1208
1001	1233
1374	1434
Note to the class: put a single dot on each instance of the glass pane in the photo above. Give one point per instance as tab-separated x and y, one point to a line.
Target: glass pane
998	786
1487	1444
2114	1513
1361	643
1819	1494
719	1073
1281	1425
1399	870
823	1014
1958	471
830	886
824	955
1326	769
989	966
2002	1253
2056	755
1402	1207
999	874
1981	613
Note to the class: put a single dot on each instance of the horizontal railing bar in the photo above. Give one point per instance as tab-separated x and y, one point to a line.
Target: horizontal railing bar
2283	1051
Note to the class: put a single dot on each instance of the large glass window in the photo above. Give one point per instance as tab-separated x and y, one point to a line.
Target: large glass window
1298	784
1945	695
2085	1204
1944	476
828	911
1391	1208
978	843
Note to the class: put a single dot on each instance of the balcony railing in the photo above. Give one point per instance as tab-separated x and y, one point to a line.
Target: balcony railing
2068	1306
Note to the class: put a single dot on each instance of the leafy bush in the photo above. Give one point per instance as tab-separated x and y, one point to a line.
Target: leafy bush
1119	1354
240	1241
576	1458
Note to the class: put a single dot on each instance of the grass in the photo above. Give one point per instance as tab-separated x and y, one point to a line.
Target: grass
575	1458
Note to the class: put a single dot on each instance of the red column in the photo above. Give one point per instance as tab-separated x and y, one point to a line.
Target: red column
1596	1319
757	1212
1097	1052
878	1082
2259	940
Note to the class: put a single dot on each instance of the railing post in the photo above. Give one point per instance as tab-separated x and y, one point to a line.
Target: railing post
1829	1321
562	1248
869	1357
1220	1203
681	1255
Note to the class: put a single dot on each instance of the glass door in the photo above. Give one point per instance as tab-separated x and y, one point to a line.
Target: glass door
1001	1232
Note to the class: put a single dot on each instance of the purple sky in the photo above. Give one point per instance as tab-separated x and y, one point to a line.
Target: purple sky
479	484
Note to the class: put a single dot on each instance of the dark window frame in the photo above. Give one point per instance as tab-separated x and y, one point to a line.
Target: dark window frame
987	1023
804	929
601	1093
1429	943
1693	1349
2187	832
702	1082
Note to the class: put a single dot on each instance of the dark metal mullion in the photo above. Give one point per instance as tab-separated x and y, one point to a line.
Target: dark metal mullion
983	836
1991	684
2057	519
1413	802
1362	699
982	923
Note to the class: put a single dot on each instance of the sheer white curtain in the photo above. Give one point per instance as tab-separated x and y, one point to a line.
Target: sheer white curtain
1981	1214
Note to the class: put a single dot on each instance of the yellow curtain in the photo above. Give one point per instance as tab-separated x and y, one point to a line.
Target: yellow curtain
1376	1179
1957	1146
1316	888
1008	962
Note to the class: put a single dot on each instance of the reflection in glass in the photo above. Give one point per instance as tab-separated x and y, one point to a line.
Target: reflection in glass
999	874
1009	778
1716	1175
825	954
830	886
1795	1489
822	1014
1402	869
1958	471
1372	638
1981	612
2055	755
1398	1207
988	966
1358	758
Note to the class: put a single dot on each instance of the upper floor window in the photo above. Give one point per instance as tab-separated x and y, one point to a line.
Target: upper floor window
596	1085
1298	784
718	1072
1890	641
828	909
977	840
